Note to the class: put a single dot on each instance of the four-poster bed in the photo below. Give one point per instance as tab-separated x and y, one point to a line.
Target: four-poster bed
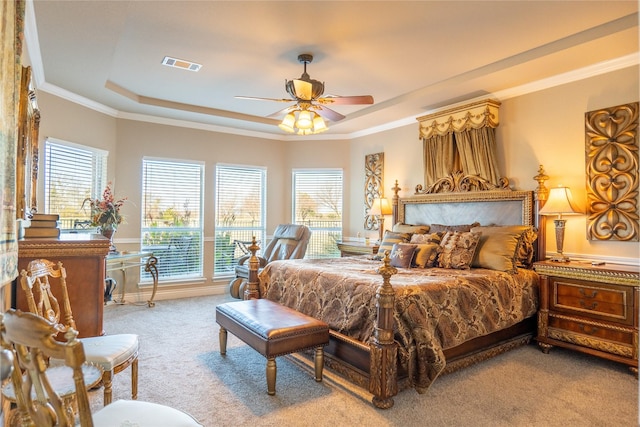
382	335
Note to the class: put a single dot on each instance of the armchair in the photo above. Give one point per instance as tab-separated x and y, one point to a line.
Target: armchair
112	353
31	341
289	242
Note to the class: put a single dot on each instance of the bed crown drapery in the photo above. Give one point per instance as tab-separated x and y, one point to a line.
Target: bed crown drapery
461	139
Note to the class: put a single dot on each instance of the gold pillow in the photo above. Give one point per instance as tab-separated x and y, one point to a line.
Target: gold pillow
390	238
498	247
409	228
426	255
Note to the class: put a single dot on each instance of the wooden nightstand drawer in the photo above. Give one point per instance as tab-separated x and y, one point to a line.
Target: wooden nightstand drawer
589	331
597	300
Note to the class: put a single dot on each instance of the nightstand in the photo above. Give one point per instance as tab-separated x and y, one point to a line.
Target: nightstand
592	309
357	248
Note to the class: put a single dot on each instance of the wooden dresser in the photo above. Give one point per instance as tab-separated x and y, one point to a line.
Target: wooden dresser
83	256
588	308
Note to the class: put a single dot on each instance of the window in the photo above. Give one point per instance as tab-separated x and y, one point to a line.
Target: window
240	213
172	217
317	203
73	173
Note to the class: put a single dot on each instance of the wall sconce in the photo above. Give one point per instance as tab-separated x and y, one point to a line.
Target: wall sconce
560	203
380	208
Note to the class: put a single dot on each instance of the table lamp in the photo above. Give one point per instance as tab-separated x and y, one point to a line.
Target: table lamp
379	208
560	203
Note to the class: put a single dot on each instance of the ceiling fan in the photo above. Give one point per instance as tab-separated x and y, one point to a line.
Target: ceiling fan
310	107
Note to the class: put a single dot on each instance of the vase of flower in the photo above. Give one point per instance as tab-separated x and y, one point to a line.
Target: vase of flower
105	214
108	231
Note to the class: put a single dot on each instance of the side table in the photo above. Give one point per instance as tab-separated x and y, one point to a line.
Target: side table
121	261
352	248
590	308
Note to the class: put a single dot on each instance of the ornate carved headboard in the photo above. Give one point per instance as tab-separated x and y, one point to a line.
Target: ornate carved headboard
461	199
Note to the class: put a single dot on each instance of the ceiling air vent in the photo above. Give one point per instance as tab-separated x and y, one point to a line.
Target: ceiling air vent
180	63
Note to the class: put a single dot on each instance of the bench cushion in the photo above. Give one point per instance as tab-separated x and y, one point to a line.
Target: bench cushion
270	328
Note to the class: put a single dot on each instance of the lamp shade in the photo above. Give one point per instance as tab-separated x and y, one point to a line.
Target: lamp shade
380	207
319	125
560	203
288	122
304	120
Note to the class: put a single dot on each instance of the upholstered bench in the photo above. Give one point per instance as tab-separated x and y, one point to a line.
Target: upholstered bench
272	330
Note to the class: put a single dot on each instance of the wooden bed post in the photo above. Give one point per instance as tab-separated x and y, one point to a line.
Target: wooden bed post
394	204
252	290
383	375
541	194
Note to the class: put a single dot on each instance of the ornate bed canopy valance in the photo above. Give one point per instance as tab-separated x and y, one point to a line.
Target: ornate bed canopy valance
461	139
469	116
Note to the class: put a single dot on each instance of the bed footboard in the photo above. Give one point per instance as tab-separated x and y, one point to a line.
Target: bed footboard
383	375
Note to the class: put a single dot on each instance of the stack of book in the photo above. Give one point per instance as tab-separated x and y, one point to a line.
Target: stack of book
43	225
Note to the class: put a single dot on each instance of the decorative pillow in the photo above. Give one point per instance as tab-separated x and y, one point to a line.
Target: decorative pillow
426	255
427	238
409	228
500	247
402	254
526	249
441	228
458	249
390	238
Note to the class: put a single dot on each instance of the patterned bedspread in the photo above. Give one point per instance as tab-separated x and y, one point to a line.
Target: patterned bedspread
435	308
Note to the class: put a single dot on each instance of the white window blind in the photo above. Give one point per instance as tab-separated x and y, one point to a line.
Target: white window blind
172	217
317	203
73	173
240	213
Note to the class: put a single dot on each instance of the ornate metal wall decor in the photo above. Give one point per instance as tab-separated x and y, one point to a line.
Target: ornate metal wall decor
612	173
373	181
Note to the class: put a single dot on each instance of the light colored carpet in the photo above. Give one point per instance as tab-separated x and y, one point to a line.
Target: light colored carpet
180	365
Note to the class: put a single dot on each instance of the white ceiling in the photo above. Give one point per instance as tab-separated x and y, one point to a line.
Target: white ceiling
412	57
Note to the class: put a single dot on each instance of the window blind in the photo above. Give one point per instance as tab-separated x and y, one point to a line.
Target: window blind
73	173
240	213
172	217
317	203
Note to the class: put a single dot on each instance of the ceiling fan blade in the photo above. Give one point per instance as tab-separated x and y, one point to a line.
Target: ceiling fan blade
254	98
329	114
346	100
303	89
284	111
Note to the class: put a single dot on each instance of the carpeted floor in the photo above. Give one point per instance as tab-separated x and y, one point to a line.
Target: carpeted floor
180	365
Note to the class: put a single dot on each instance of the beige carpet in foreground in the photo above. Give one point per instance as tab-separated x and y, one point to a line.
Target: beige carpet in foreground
180	365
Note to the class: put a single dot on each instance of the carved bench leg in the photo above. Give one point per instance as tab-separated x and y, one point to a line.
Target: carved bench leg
271	376
319	363
222	335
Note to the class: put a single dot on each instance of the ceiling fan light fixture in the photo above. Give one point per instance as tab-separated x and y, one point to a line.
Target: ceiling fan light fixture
319	125
288	122
304	120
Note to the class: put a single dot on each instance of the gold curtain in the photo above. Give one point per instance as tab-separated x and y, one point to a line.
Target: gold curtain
461	140
477	151
439	157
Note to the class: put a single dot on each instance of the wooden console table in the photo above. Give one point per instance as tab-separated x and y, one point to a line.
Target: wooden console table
121	261
83	256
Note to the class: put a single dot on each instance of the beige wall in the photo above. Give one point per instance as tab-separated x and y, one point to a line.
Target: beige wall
545	127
